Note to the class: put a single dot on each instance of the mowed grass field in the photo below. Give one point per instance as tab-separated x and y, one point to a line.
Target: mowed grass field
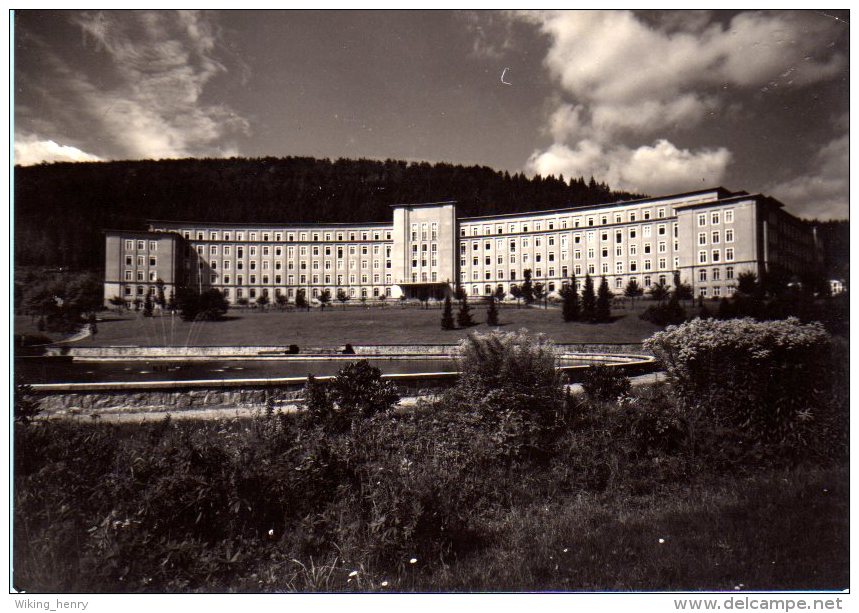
335	326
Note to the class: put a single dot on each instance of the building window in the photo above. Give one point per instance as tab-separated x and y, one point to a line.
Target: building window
729	272
729	216
729	254
702	257
702	220
729	234
714	218
702	275
702	238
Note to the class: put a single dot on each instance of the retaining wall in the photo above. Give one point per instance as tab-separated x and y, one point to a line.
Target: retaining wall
278	350
142	396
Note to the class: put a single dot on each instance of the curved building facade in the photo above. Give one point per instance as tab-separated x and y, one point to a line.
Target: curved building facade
708	236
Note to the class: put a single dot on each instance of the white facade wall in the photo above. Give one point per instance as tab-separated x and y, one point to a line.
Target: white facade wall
710	237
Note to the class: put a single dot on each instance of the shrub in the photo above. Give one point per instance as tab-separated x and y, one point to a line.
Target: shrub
664	314
357	392
764	377
605	383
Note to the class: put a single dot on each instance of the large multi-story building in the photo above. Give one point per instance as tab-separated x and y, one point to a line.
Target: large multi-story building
708	236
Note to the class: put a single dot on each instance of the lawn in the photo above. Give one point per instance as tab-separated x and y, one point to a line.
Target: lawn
356	325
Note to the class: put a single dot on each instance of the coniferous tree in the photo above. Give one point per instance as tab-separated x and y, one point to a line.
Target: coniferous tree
492	313
324	298
571	310
660	291
447	315
683	290
540	294
301	300
633	290
589	300
500	293
342	297
160	300
603	306
527	288
516	292
147	305
463	317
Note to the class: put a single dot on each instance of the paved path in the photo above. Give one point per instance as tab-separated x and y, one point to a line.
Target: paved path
407	403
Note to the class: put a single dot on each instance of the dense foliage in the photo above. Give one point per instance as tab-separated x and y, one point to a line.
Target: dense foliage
61	209
281	503
767	378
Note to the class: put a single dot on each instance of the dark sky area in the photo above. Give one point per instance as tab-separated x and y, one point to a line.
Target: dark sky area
652	102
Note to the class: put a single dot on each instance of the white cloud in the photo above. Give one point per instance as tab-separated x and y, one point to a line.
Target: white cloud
625	82
824	192
31	150
147	101
660	168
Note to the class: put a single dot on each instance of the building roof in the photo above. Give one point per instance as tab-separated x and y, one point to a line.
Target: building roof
420	204
720	191
277	225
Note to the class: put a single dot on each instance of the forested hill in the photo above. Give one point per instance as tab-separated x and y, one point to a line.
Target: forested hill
61	209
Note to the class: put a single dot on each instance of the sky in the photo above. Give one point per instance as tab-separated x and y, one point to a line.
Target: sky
653	102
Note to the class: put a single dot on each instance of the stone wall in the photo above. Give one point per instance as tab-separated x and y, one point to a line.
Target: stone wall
276	350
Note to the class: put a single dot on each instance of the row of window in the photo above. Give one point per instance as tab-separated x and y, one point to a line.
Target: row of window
278	237
290	264
141	245
716	236
646	231
564	222
289	292
227	279
716	217
303	250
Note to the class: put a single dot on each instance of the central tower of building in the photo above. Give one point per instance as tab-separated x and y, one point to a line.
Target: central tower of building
424	254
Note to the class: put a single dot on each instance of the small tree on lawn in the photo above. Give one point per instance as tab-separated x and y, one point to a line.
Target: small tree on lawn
159	297
463	317
589	300
301	300
633	290
492	313
447	315
682	290
747	283
540	294
280	301
324	298
603	307
660	291
147	305
262	301
118	302
571	309
342	297
527	288
516	292
500	293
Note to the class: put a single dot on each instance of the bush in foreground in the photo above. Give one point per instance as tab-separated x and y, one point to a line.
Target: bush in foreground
765	378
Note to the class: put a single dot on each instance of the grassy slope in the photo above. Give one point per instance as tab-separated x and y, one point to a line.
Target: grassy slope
356	325
782	530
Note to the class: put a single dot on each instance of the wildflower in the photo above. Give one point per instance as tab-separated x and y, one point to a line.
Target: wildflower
413	561
354	573
661	540
271	532
565	550
384	584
